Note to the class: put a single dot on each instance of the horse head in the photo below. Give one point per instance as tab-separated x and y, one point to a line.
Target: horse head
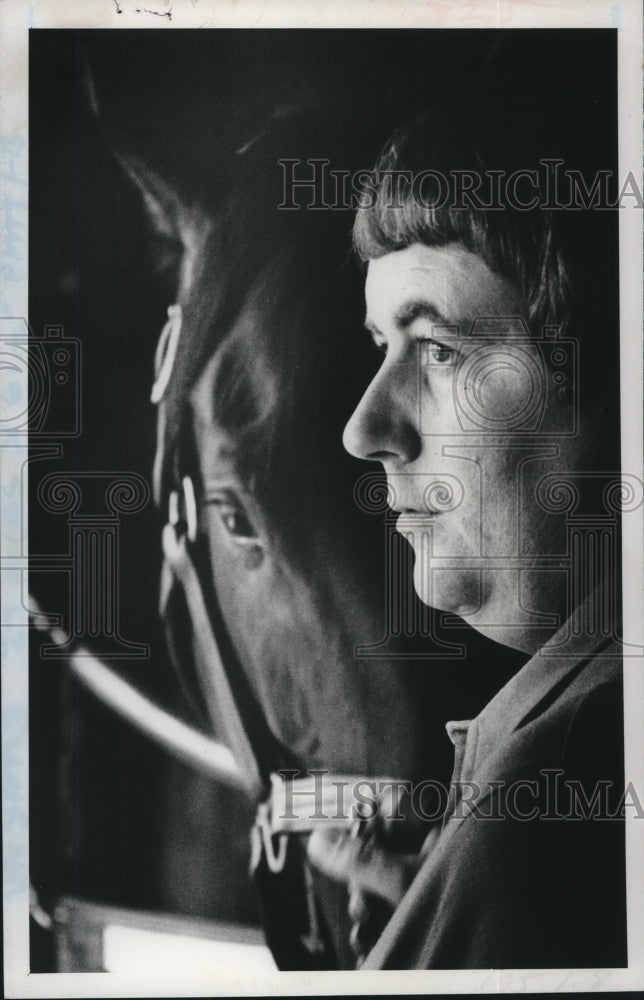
262	382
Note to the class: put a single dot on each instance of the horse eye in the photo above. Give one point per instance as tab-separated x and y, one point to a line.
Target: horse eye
233	517
237	523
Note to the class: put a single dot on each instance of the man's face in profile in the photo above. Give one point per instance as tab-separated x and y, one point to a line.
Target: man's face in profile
457	417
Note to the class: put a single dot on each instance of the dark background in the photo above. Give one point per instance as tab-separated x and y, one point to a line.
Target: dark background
111	817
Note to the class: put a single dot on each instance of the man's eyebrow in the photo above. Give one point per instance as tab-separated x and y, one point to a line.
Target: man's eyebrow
418	309
407	314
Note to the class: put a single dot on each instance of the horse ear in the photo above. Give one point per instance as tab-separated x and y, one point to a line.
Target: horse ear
178	229
164	208
173	223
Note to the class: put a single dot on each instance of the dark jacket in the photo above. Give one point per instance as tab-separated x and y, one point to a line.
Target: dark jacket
529	875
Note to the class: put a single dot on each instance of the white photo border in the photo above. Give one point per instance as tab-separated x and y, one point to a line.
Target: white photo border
17	17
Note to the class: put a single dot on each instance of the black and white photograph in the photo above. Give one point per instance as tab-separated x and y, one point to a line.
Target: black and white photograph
321	440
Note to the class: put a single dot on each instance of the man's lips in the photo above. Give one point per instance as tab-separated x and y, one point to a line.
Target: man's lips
415	524
402	509
412	514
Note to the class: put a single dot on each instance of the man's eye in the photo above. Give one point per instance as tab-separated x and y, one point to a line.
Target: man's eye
440	354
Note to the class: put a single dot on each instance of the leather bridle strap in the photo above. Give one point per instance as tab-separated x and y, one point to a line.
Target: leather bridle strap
218	694
227	694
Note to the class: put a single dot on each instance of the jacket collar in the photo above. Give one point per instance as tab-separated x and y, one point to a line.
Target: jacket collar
580	638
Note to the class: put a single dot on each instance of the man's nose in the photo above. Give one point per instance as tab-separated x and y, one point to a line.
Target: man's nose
384	425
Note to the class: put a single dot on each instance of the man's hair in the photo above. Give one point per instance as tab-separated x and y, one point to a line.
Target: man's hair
564	261
536	248
520	245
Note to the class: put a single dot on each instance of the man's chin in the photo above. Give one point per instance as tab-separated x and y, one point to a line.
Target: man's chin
452	590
